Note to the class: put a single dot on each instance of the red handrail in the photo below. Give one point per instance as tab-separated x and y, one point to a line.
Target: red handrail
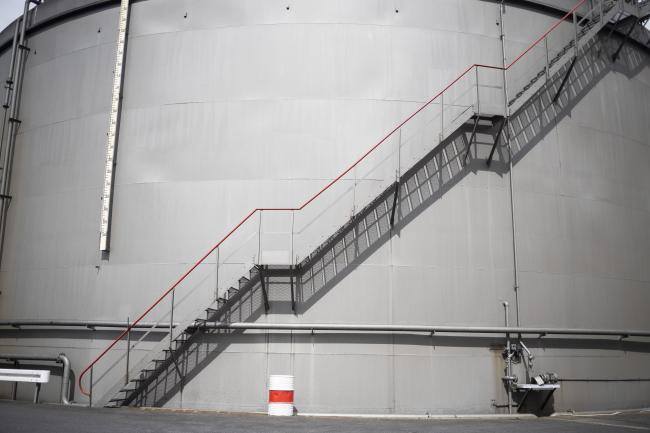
321	191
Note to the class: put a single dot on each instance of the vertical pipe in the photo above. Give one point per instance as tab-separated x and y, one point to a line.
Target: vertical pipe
509	146
12	64
65	379
13	126
508	380
9	84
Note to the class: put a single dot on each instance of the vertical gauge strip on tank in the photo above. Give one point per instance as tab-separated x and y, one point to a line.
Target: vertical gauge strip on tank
112	128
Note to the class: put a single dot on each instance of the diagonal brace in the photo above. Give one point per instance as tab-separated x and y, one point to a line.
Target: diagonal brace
265	295
565	79
496	141
392	212
471	140
620	46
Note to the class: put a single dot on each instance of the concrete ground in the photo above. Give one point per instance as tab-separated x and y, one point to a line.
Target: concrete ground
19	417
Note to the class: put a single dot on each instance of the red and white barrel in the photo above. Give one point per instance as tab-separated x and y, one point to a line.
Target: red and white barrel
280	395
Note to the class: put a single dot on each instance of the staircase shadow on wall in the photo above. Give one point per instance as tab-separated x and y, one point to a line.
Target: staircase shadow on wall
420	187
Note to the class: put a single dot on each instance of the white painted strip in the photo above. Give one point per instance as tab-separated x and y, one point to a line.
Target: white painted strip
421	416
112	128
604	424
18	375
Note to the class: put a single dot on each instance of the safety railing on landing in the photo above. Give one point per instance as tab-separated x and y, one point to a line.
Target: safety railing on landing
476	88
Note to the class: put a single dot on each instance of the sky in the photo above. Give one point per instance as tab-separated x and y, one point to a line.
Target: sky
9	10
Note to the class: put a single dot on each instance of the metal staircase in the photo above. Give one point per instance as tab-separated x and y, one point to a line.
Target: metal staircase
431	174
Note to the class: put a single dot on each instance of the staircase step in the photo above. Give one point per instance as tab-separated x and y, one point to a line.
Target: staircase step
232	292
242	282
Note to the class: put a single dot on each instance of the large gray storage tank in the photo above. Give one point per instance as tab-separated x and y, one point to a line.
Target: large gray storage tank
231	105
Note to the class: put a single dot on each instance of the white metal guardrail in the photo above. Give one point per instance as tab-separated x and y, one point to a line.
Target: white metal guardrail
36	377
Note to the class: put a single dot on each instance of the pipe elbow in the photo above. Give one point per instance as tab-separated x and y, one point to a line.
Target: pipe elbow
65	385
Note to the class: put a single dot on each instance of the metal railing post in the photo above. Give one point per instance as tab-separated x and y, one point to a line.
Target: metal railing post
442	116
600	7
259	239
547	59
398	171
128	349
90	394
575	33
478	95
216	286
171	323
291	257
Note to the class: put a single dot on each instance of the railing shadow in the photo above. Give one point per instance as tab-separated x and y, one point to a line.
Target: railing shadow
294	290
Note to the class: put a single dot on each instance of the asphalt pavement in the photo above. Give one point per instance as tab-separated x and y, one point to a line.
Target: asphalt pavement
23	417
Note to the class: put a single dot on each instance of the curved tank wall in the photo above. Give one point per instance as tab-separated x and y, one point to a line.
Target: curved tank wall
232	105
